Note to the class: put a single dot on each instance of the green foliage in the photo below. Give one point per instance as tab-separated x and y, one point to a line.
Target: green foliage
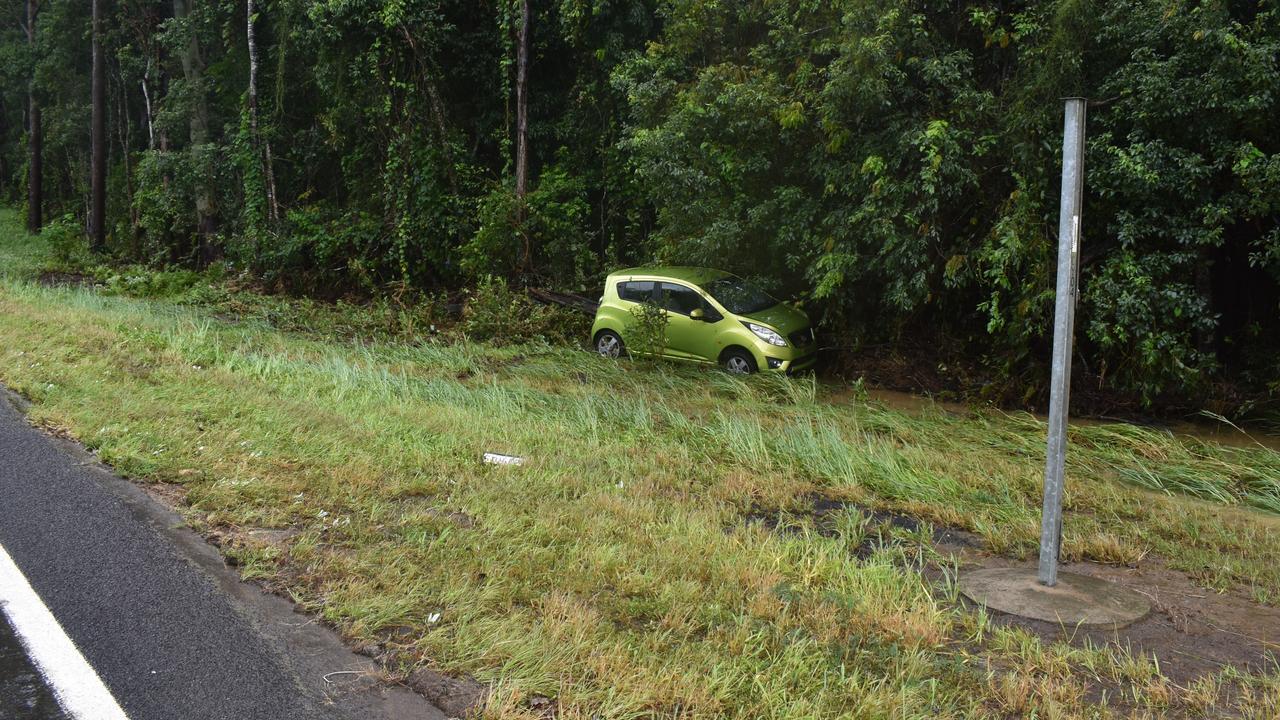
897	163
496	246
893	165
68	247
647	331
554	216
325	247
142	282
498	314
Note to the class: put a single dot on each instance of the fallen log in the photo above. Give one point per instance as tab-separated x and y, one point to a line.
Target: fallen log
577	302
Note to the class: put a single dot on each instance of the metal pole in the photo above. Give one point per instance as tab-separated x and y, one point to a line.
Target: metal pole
1064	316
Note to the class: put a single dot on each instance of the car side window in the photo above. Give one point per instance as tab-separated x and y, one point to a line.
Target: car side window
681	299
636	290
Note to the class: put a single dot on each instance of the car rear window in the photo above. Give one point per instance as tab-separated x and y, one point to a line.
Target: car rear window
636	290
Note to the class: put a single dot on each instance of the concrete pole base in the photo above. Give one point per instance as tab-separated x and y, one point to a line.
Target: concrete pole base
1076	599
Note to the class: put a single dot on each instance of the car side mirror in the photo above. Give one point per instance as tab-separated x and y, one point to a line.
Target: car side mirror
697	314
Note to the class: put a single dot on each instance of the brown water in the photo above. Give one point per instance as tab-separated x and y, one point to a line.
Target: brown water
1206	430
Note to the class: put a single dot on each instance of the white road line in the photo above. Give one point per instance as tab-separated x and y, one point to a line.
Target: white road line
78	688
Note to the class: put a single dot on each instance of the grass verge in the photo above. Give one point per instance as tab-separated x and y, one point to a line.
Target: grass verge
617	571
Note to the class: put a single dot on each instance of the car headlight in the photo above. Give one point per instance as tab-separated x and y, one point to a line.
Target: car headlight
766	334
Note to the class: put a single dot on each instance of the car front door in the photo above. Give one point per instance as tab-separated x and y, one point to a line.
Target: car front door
687	337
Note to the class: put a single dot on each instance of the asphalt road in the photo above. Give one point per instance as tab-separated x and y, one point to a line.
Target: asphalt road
23	693
172	633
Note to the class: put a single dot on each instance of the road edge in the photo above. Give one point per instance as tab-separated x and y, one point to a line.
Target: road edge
327	668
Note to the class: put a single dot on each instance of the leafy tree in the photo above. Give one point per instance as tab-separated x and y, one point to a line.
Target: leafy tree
893	166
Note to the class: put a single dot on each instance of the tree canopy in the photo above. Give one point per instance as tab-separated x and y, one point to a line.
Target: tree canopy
894	166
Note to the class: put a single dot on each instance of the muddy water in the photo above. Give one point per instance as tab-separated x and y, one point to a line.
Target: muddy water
1205	430
906	402
1224	434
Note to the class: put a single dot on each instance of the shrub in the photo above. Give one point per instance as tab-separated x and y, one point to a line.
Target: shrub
137	281
322	247
555	214
496	313
67	244
648	330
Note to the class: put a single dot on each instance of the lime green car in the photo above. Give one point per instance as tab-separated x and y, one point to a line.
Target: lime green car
711	317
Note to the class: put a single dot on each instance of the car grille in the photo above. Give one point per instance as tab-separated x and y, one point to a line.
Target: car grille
801	338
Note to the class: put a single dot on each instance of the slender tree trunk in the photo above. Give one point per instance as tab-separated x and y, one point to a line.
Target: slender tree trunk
4	159
35	137
4	132
522	127
124	130
262	145
273	201
193	71
146	104
98	159
35	167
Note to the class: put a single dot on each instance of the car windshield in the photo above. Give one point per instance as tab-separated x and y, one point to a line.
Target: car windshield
739	296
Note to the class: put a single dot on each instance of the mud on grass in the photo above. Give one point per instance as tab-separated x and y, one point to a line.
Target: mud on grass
1191	646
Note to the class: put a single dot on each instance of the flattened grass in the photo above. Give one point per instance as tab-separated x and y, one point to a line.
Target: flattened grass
617	571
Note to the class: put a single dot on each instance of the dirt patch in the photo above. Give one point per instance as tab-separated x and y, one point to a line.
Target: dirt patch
170	495
881	528
269	537
456	697
1193	632
460	519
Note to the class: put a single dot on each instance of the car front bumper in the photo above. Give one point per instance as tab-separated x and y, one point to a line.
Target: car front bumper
787	360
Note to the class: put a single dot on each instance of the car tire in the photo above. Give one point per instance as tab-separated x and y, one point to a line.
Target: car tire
737	361
609	345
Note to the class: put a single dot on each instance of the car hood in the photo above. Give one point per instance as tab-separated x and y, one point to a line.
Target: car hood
781	317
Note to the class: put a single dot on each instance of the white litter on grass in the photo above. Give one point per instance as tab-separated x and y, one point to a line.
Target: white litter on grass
500	459
433	618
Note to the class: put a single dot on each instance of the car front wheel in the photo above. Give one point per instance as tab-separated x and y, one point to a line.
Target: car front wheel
739	362
609	344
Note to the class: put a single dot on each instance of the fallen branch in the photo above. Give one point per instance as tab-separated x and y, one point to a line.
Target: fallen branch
577	302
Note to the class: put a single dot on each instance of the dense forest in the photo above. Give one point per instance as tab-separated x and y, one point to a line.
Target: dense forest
893	166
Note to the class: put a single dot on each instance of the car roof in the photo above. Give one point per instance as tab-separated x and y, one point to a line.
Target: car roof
695	275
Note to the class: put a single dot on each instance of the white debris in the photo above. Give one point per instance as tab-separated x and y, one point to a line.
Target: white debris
500	459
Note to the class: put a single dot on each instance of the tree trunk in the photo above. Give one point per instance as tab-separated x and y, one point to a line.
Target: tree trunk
98	159
261	145
193	71
124	131
35	137
4	132
522	127
146	104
